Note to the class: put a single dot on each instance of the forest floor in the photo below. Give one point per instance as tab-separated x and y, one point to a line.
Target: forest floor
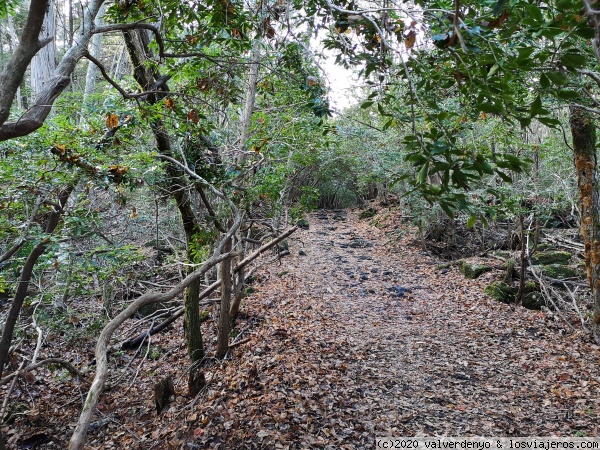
357	334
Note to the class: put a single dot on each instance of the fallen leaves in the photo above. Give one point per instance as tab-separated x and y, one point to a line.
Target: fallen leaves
337	357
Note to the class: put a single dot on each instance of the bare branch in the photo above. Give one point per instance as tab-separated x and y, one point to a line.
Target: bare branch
60	362
135	26
593	75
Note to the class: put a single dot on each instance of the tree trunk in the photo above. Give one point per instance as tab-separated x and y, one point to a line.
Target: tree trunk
43	63
13	41
12	75
92	70
136	42
250	99
26	273
583	133
238	295
224	328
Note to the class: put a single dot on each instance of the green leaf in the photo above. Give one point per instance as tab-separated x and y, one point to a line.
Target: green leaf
504	176
472	220
489	107
584	31
557	78
422	176
367	104
536	107
534	14
524	121
544	81
388	124
446	208
493	70
573	60
525	53
567	94
549	121
499	7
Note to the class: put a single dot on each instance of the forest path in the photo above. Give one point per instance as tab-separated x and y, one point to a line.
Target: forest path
363	337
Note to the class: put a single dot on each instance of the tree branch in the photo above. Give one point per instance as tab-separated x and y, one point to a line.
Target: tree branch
61	362
12	75
78	438
135	26
154	89
29	44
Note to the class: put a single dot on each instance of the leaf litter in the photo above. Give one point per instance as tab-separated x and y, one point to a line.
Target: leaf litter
355	335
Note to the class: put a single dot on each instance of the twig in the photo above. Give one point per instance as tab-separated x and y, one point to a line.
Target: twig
137	372
576	306
61	362
9	392
235	344
548	297
38	345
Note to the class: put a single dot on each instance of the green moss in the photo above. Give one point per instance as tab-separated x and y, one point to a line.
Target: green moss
367	213
473	271
560	271
555	257
545	247
501	291
533	300
302	223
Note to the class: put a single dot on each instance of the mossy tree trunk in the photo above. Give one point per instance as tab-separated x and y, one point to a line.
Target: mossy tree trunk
137	45
583	132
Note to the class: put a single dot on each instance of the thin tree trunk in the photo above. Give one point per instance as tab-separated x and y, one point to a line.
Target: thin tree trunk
250	99
13	40
234	307
238	292
25	278
521	290
583	132
224	327
137	45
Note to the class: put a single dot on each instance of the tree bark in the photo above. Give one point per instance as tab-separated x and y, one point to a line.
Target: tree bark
13	73
224	327
583	132
29	45
92	70
250	99
43	63
136	42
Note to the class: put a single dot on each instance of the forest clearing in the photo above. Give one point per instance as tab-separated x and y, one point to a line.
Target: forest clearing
201	248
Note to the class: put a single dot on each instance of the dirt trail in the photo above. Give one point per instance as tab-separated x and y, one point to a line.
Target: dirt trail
363	337
355	335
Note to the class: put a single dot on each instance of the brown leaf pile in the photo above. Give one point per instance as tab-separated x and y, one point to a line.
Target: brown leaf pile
360	336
